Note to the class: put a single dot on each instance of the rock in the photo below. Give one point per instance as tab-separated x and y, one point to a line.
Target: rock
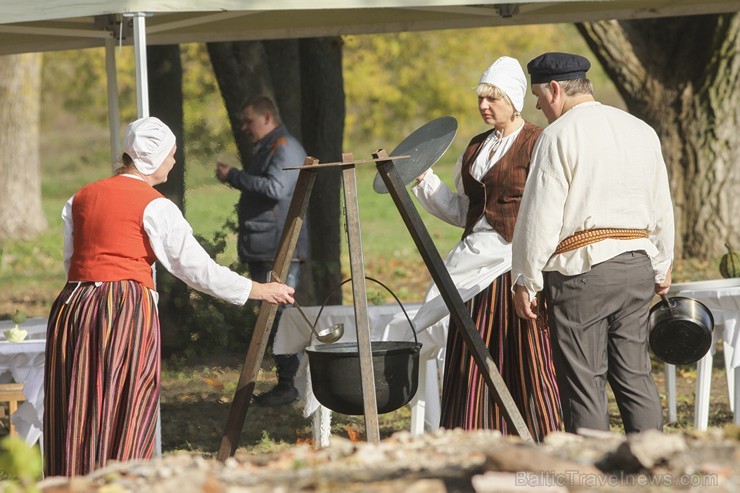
449	460
552	470
426	486
645	450
561	439
507	482
588	447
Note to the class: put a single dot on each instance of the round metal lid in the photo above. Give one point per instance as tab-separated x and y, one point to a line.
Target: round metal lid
425	145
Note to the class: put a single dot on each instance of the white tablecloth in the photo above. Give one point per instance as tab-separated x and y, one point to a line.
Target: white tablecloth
387	322
23	362
722	297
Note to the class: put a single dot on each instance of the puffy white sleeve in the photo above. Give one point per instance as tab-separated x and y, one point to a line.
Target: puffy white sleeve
68	231
663	235
440	201
172	240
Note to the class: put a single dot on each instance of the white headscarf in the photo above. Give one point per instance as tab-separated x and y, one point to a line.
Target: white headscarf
148	142
506	74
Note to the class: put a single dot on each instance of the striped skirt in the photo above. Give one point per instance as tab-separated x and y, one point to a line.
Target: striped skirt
102	377
521	351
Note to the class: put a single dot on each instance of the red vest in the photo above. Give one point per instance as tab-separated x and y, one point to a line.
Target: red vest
110	243
499	192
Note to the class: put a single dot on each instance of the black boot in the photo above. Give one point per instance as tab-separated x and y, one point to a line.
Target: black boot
284	392
280	395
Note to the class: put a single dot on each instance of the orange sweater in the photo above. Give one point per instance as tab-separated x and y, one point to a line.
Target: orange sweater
110	243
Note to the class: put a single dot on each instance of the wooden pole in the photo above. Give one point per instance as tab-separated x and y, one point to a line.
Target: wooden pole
266	316
451	296
357	269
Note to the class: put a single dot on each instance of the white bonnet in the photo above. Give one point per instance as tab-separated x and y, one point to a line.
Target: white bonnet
506	74
148	142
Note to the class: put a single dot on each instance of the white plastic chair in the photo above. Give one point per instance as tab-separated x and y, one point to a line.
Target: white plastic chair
704	384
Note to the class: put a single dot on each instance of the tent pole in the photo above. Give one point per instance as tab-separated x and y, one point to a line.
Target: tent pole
142	105
142	86
114	115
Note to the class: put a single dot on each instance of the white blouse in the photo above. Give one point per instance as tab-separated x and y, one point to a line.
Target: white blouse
172	241
480	257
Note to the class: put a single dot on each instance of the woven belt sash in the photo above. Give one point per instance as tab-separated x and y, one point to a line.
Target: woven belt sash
583	238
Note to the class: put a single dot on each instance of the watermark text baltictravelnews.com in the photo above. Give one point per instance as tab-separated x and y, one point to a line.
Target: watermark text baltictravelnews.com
565	478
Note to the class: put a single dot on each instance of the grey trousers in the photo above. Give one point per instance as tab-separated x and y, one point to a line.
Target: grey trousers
600	334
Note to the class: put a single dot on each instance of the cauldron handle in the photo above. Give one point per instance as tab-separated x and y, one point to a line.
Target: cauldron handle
667	301
411	325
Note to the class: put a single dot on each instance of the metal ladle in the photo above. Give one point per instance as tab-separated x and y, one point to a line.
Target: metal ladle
327	336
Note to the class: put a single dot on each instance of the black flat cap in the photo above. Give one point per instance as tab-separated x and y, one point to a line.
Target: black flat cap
557	66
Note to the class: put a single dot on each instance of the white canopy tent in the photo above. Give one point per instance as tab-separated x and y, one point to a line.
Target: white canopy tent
40	25
43	25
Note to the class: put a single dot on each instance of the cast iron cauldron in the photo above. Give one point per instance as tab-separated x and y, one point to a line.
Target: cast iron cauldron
680	330
336	381
336	378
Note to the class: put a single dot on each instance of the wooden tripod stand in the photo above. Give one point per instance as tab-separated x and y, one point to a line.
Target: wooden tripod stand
425	245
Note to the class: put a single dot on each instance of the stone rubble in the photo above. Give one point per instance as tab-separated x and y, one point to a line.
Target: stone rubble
444	461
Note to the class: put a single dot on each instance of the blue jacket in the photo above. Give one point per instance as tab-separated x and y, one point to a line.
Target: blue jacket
266	193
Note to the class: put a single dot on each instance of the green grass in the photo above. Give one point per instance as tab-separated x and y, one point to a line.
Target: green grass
208	204
74	153
383	232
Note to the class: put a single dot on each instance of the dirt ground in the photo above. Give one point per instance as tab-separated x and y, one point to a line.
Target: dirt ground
196	401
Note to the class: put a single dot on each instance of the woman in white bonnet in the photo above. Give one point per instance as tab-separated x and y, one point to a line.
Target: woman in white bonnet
102	374
489	180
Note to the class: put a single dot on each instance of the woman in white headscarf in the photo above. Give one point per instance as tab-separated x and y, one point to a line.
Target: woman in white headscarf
489	178
102	374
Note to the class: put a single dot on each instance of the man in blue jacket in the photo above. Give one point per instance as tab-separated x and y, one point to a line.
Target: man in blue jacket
266	193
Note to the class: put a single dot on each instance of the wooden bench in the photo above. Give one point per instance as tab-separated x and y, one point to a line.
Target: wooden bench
10	394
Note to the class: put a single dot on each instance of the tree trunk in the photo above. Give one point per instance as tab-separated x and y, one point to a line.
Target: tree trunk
322	119
165	93
165	96
21	214
681	75
284	67
283	60
305	80
242	73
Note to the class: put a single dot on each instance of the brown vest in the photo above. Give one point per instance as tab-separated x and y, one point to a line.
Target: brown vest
500	190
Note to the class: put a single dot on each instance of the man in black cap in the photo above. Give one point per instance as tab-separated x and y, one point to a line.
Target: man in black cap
570	71
595	233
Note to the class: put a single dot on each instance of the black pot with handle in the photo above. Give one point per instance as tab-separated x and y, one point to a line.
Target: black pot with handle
680	330
336	378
